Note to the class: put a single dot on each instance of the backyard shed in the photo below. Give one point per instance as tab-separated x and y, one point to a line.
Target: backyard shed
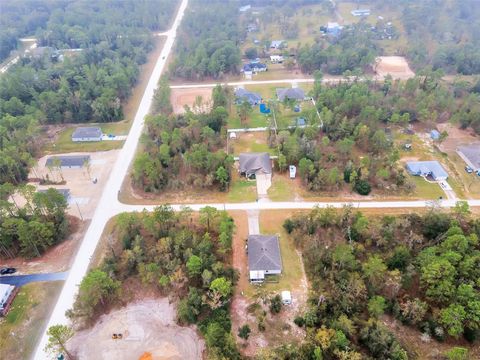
471	155
427	168
87	134
68	161
263	256
434	134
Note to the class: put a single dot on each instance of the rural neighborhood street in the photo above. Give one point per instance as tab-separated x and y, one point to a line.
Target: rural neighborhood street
106	206
109	205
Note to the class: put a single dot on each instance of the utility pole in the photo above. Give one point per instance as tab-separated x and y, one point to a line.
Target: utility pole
78	207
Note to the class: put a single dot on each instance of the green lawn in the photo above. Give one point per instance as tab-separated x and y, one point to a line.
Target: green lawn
426	190
22	327
281	189
242	190
64	142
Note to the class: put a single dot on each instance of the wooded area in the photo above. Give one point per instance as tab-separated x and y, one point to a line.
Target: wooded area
55	86
179	255
420	269
31	229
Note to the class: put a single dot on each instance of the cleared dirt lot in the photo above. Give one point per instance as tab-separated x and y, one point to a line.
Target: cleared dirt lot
396	66
181	97
84	192
146	326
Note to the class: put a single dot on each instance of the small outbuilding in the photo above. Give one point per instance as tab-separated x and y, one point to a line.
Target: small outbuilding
434	134
264	257
293	171
276	44
68	161
427	168
87	134
276	59
360	12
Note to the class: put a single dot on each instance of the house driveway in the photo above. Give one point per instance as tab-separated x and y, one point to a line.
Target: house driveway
264	181
253	224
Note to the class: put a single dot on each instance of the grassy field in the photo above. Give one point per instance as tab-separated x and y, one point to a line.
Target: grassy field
251	142
22	327
281	189
242	190
426	190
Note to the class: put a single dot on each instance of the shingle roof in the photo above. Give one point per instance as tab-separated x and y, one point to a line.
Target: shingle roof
427	168
250	163
290	93
264	253
251	97
87	132
66	161
472	153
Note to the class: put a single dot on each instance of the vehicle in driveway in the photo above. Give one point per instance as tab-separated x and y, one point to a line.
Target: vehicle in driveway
6	271
468	169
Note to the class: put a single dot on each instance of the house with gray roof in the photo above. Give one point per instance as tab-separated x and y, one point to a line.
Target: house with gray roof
252	164
264	256
471	155
87	134
290	93
244	95
427	168
68	161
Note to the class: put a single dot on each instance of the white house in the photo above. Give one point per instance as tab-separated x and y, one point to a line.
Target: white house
293	171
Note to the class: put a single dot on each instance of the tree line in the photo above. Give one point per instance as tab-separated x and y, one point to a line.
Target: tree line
420	269
31	229
184	150
178	255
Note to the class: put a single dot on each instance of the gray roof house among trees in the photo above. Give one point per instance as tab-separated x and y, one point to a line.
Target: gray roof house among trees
251	163
69	161
87	134
264	256
244	95
290	93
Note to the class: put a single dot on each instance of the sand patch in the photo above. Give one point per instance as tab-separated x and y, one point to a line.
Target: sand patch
181	97
396	66
147	327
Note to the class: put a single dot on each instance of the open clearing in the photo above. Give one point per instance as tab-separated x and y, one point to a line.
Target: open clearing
146	326
84	193
22	327
181	97
396	66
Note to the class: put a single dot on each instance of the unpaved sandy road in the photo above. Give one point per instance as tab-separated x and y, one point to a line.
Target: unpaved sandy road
146	326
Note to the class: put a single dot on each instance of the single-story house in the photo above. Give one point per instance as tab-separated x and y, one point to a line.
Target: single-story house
360	12
87	134
276	44
435	134
253	163
258	66
290	93
7	294
276	59
333	28
471	155
68	161
263	256
65	192
242	95
427	168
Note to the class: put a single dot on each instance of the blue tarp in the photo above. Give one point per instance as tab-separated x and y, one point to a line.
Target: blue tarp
264	109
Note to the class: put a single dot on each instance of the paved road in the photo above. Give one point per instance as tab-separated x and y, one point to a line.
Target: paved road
19	280
106	207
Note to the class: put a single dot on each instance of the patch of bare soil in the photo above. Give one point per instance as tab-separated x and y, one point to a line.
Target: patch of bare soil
425	347
181	97
146	326
57	258
456	136
396	66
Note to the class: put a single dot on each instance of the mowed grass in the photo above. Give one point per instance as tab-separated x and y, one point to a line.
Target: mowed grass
426	190
21	329
242	190
271	222
282	189
251	142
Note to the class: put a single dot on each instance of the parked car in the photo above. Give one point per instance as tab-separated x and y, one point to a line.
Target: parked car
468	169
6	271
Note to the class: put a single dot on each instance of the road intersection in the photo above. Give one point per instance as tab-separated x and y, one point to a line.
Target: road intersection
109	205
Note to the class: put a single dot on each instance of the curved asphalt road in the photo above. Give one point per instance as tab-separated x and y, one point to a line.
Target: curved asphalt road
19	280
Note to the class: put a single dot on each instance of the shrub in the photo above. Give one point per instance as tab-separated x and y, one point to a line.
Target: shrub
276	304
299	321
362	187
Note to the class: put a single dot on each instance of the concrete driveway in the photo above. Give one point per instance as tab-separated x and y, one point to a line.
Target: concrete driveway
264	181
253	224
